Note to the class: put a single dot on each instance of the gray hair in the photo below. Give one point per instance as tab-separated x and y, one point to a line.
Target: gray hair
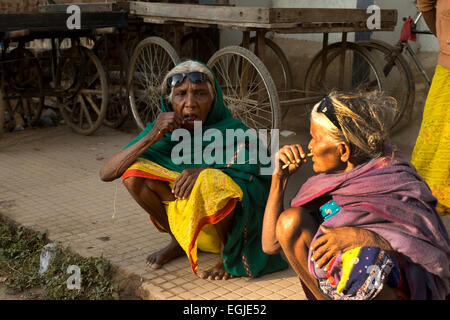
365	119
187	67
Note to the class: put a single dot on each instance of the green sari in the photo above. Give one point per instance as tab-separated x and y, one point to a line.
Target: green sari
242	254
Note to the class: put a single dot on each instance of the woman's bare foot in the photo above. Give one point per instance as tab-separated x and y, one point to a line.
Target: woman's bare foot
166	254
217	272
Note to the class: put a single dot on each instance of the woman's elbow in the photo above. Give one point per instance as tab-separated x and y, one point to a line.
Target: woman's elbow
104	176
271	248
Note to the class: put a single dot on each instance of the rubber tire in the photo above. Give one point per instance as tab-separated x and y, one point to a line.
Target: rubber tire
105	95
144	43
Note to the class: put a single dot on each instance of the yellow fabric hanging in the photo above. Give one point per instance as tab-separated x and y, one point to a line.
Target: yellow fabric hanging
431	155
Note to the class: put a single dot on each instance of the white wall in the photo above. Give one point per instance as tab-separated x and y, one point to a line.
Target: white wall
406	8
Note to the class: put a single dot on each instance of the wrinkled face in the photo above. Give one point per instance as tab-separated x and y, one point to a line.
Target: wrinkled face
192	101
326	155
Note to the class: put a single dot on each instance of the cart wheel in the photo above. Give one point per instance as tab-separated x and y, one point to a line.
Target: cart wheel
360	72
279	70
151	61
399	78
24	99
115	62
248	89
196	45
82	79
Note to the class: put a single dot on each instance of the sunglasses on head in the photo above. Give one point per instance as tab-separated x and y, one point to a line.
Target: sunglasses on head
194	77
327	107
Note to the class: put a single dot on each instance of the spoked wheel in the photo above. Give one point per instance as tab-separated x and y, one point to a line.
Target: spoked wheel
115	62
153	58
23	95
82	79
279	69
196	45
248	89
399	78
358	71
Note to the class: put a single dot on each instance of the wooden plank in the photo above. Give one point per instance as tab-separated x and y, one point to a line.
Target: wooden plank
17	34
48	22
199	25
254	15
328	15
200	12
275	27
155	20
327	29
85	7
212	23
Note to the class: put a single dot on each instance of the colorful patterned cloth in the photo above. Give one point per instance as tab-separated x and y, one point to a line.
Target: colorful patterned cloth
191	220
359	274
431	155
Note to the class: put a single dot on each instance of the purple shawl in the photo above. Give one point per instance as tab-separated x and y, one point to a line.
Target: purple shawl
388	197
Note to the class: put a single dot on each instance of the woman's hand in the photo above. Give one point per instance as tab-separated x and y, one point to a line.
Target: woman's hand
290	158
183	185
337	240
167	122
122	160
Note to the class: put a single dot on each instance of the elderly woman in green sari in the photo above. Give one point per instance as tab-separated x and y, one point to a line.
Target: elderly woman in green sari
215	207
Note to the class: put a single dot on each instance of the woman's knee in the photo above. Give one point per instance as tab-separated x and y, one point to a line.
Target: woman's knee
134	184
142	187
292	222
287	224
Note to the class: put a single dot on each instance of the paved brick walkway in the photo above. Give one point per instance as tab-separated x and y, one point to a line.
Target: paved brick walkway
49	181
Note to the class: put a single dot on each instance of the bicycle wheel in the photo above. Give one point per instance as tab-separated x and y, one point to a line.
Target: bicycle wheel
360	71
24	100
151	61
279	70
81	77
399	78
115	61
248	89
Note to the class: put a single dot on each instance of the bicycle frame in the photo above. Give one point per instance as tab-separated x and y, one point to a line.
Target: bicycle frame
404	44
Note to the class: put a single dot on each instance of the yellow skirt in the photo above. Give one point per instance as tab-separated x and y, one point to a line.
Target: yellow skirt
191	220
431	155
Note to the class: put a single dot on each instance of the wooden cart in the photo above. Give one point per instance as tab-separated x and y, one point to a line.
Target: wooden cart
254	94
77	79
